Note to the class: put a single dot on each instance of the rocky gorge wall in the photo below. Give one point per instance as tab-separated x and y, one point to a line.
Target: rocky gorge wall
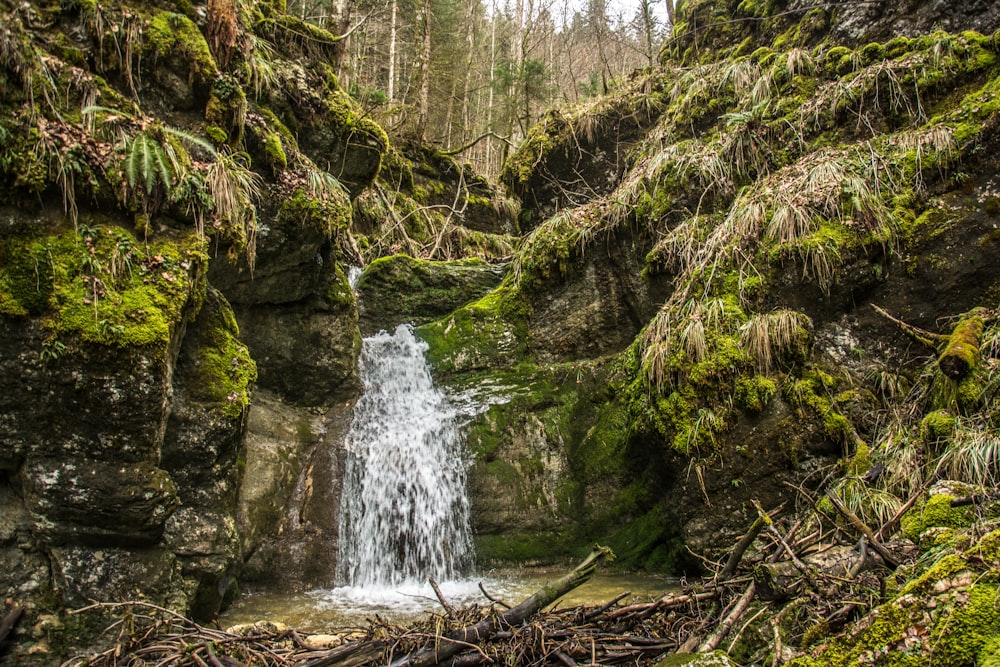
179	338
702	330
177	330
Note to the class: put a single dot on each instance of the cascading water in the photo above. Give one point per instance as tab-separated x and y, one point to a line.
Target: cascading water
404	510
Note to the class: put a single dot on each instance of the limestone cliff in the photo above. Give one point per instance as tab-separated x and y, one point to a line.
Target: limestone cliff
176	186
700	329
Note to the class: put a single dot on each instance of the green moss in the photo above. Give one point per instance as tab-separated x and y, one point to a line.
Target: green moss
227	107
945	568
861	461
959	638
804	395
275	152
224	372
216	134
26	276
550	251
489	333
937	426
904	634
521	548
872	53
102	285
961	354
989	655
898	46
541	139
328	216
170	34
349	118
651	542
987	549
937	511
833	59
725	360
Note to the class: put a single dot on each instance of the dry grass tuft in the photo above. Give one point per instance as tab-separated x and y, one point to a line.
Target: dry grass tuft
770	336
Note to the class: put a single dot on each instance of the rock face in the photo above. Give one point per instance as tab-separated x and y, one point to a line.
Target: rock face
400	289
648	396
119	457
138	316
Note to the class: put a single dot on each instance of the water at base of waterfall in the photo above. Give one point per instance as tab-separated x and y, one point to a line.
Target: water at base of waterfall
404	510
324	610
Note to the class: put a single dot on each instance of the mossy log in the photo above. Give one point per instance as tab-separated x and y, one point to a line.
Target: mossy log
961	354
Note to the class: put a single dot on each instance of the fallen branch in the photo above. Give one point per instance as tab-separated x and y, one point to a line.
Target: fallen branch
726	625
862	528
961	354
451	644
448	609
485	135
922	336
743	545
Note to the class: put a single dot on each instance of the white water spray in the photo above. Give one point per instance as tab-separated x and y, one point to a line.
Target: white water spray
404	512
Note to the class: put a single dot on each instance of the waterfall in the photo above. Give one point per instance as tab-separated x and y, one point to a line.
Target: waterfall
404	512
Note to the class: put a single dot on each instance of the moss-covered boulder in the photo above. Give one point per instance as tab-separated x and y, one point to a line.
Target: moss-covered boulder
400	289
947	614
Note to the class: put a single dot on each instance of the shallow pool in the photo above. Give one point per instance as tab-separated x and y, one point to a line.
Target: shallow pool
325	610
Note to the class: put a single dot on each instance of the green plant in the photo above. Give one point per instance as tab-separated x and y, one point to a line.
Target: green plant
872	505
973	455
52	349
153	154
234	189
323	185
264	75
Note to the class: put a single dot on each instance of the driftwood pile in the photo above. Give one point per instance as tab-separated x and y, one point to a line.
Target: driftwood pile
794	586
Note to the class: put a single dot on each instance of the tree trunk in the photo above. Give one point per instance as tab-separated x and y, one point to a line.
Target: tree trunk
424	93
391	85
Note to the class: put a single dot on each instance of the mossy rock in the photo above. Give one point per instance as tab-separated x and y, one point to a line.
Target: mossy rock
223	373
170	35
401	289
936	512
490	333
102	285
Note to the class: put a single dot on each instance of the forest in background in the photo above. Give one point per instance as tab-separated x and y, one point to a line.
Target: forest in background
471	76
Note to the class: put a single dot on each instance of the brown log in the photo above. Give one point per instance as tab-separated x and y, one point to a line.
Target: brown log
10	619
778	581
348	655
454	642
